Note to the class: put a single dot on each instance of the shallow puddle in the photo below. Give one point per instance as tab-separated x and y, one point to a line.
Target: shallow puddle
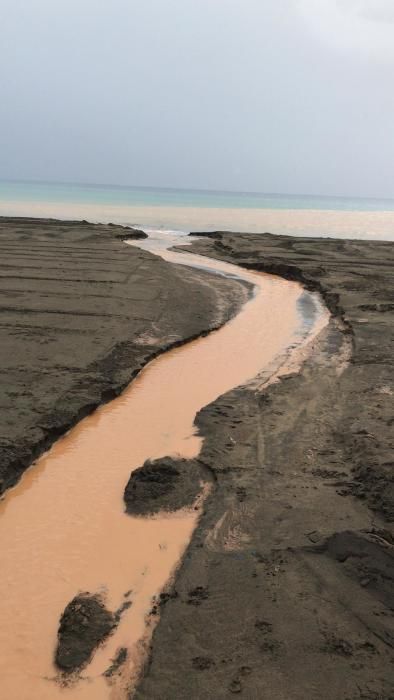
63	529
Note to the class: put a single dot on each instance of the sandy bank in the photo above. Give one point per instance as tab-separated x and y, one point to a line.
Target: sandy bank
287	588
80	314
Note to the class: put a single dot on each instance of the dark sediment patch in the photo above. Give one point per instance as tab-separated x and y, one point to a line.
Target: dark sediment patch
163	485
84	624
130	235
117	663
368	558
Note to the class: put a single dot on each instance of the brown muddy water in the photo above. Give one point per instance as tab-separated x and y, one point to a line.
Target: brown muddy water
63	529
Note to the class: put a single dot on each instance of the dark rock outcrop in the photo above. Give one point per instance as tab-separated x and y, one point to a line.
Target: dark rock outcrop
85	623
163	484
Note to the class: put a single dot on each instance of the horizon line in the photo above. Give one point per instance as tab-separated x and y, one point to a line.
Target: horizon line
188	189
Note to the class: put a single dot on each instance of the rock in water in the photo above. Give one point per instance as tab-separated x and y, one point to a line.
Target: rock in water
163	484
84	624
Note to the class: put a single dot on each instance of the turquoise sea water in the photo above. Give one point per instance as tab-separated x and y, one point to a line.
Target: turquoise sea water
198	210
149	196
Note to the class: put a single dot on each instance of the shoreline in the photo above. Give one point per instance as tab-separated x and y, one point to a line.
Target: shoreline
356	225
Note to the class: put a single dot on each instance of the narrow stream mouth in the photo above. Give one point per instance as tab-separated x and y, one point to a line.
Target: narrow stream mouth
63	527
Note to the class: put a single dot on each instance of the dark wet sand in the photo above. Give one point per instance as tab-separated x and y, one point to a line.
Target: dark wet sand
80	314
287	592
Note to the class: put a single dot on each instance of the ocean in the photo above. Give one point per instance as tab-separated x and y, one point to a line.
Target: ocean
198	210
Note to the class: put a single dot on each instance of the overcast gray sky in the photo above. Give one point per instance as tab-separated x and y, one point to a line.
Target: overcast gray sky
266	95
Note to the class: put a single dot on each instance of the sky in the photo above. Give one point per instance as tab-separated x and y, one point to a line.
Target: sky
287	96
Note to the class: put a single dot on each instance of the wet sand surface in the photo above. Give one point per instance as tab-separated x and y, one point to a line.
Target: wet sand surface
63	527
290	567
287	588
80	315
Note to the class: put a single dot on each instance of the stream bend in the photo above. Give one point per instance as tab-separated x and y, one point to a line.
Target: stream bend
82	539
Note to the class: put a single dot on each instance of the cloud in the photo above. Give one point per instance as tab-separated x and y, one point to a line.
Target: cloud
373	10
355	26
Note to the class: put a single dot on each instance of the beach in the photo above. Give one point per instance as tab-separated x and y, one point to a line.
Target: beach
290	567
196	350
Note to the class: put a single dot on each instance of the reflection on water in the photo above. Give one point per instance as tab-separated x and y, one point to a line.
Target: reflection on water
63	527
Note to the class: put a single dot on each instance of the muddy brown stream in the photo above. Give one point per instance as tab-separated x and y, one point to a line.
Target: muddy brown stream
63	528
